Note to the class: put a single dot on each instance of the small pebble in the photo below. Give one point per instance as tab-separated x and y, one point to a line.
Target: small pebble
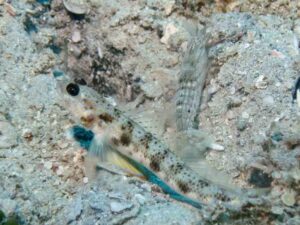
288	197
48	165
146	187
27	134
75	210
261	83
245	115
63	144
277	54
234	102
76	51
114	195
117	207
213	89
277	136
85	180
78	7
170	30
60	170
268	100
295	173
97	201
9	207
76	36
169	7
230	115
277	210
8	135
241	124
140	198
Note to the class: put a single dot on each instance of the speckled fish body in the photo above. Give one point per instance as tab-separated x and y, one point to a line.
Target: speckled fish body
112	127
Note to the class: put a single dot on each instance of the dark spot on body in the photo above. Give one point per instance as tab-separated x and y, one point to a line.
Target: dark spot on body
135	149
154	165
115	141
176	167
128	127
159	156
146	140
179	166
222	197
106	117
202	184
87	119
125	139
165	152
129	123
117	112
88	105
183	186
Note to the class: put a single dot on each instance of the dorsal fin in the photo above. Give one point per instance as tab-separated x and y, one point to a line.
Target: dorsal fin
192	77
153	117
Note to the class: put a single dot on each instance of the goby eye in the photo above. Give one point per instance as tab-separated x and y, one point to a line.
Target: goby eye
73	89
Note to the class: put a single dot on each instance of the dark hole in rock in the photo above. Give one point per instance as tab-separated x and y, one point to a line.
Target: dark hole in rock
260	179
56	49
29	26
76	17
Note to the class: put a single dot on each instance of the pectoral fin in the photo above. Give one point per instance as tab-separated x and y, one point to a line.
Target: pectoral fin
191	145
100	153
107	155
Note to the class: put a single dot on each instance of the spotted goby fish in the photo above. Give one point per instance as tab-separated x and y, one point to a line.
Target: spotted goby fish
113	131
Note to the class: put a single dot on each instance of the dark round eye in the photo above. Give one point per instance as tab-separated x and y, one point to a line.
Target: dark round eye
73	89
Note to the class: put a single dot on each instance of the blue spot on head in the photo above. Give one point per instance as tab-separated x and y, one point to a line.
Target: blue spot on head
57	73
83	136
